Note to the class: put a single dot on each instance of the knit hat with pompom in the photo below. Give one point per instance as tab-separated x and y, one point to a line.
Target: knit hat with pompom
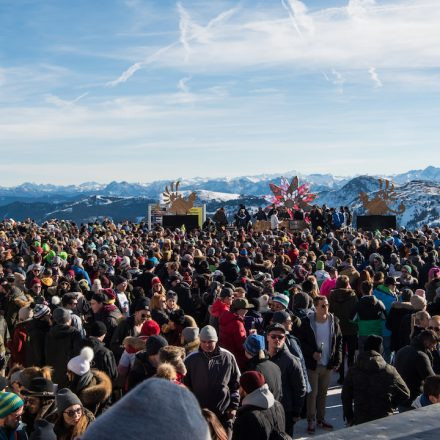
80	365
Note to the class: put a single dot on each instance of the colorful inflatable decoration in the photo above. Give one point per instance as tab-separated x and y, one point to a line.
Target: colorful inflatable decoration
292	196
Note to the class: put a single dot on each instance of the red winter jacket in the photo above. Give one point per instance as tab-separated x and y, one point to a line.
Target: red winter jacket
18	344
218	308
232	335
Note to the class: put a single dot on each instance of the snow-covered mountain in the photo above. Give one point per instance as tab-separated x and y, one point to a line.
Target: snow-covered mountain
256	185
119	200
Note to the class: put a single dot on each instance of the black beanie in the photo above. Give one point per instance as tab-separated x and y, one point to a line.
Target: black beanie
374	343
98	329
154	344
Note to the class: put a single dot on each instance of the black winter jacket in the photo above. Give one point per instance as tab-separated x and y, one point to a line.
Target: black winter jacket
271	373
142	370
374	387
63	342
292	379
125	328
414	364
104	359
36	351
309	345
259	415
213	378
343	304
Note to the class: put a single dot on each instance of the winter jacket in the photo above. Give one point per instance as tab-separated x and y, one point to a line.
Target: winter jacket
230	271
343	304
19	344
395	318
271	373
431	289
47	411
63	342
125	328
110	315
369	315
293	345
213	378
414	364
259	415
104	359
307	337
38	330
17	434
292	380
232	335
421	402
374	387
95	391
383	293
327	286
142	369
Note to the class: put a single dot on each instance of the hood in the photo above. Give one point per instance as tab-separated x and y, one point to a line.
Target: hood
370	361
421	401
342	295
61	331
218	307
402	305
261	398
384	289
228	317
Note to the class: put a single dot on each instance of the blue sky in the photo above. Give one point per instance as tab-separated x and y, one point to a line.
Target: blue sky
142	90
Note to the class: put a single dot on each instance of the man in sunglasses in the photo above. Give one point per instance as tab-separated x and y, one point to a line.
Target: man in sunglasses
292	379
130	326
321	343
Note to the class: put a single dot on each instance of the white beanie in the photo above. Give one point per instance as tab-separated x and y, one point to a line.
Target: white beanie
80	365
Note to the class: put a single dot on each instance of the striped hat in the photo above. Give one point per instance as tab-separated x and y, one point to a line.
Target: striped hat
41	310
9	403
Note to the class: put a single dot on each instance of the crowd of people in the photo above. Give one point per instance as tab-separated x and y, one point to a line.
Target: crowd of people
217	333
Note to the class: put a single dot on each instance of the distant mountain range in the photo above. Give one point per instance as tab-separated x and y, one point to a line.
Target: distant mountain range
418	189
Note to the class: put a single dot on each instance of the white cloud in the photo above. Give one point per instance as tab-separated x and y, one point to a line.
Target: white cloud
375	77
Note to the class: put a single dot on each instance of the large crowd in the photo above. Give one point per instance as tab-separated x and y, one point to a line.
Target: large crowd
222	332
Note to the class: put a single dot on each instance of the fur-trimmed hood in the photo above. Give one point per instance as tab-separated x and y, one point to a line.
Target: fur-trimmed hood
192	346
98	390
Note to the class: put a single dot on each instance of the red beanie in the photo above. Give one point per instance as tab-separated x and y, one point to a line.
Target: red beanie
251	380
150	328
36	281
155	280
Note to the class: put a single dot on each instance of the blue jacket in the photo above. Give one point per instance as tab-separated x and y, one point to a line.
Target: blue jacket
17	434
384	294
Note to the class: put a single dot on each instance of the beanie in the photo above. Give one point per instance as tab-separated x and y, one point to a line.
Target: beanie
251	380
408	269
66	398
41	310
154	344
226	292
134	415
190	334
418	302
320	265
98	329
281	299
301	300
9	403
142	304
80	364
61	315
177	316
280	317
253	344
150	328
172	295
420	292
208	333
374	342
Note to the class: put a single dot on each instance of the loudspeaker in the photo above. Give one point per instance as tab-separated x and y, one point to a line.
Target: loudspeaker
176	221
373	222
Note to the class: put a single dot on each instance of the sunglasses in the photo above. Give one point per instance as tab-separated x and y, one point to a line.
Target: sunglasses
323	306
279	337
145	315
74	412
434	328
